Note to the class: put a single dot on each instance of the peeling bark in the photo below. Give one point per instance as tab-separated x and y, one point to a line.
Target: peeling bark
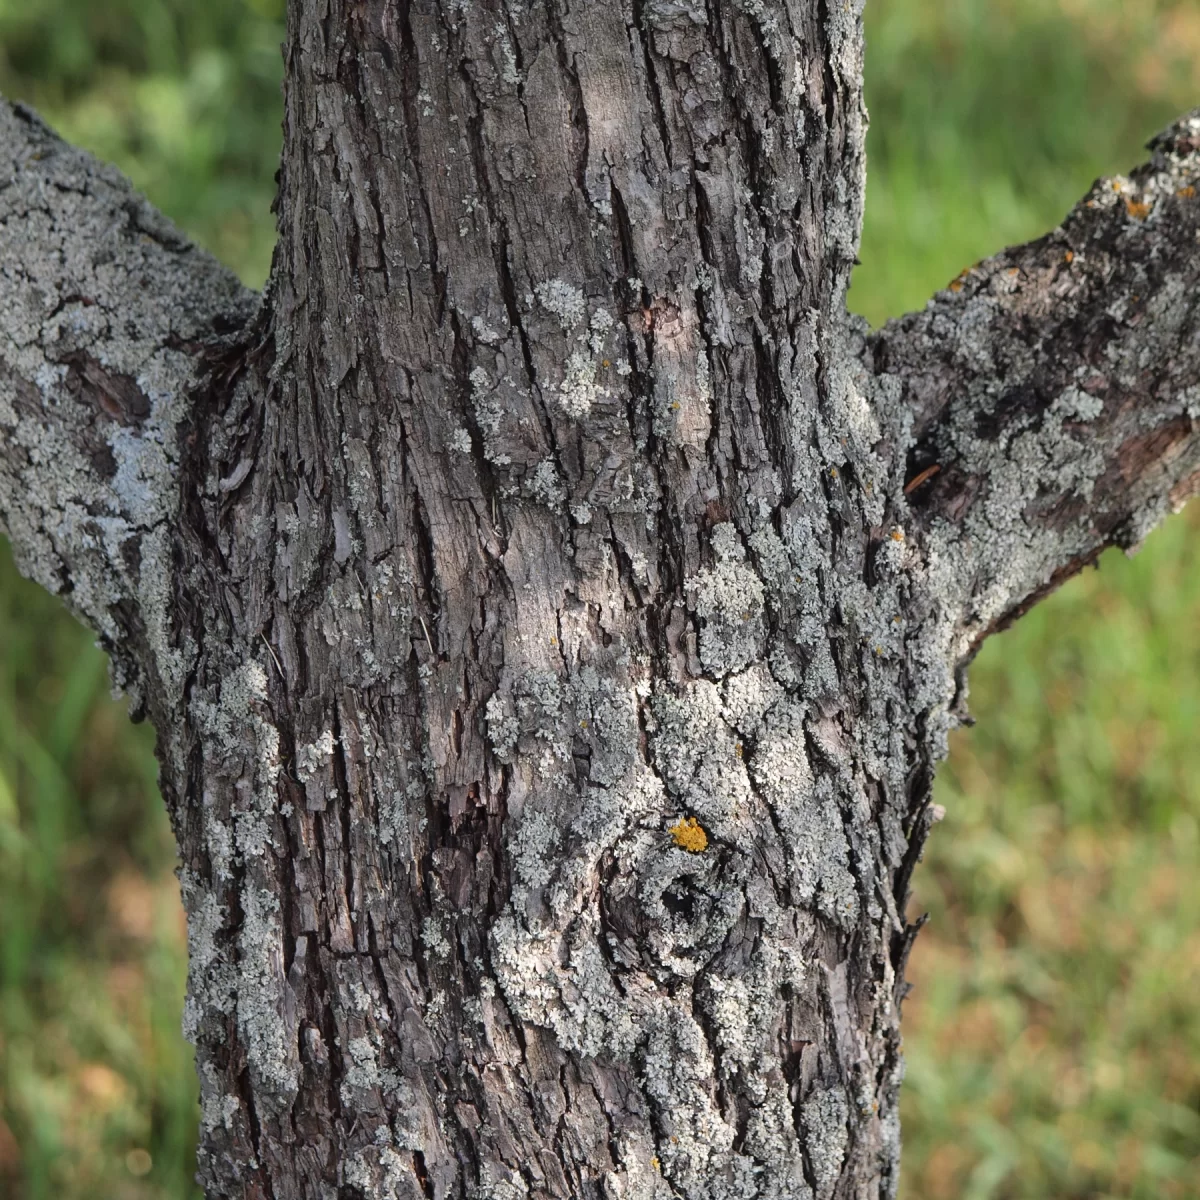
551	603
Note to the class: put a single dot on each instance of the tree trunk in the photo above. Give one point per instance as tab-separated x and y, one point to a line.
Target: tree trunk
551	604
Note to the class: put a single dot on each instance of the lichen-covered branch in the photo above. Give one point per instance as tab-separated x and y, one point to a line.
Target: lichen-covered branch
1054	393
105	309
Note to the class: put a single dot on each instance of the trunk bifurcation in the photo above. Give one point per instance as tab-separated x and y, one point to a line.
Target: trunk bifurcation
552	605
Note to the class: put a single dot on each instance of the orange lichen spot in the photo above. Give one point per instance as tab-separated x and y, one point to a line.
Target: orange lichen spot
897	535
554	641
674	405
689	835
738	749
1186	193
1014	270
605	363
1139	210
1069	257
1116	185
655	1163
956	285
833	472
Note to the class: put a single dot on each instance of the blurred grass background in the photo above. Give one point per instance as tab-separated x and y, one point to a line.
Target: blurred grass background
98	1096
1053	1036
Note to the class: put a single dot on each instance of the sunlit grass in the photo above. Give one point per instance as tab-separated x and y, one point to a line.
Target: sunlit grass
1053	1036
183	96
991	118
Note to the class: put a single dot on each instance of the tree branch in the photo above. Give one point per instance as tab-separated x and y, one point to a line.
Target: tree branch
106	310
1054	394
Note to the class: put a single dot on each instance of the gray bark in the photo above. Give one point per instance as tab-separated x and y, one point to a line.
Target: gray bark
544	594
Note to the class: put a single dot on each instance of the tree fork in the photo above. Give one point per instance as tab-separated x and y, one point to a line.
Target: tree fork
551	603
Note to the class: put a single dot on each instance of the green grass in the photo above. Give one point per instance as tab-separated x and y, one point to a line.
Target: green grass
98	1095
182	94
1053	1037
94	1076
990	118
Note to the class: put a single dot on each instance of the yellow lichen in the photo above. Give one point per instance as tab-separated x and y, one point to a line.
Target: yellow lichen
689	835
1139	210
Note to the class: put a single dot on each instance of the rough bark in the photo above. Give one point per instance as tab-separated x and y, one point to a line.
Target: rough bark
104	306
545	598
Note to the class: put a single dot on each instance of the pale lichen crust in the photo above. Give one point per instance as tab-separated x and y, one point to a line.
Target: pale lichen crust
102	305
